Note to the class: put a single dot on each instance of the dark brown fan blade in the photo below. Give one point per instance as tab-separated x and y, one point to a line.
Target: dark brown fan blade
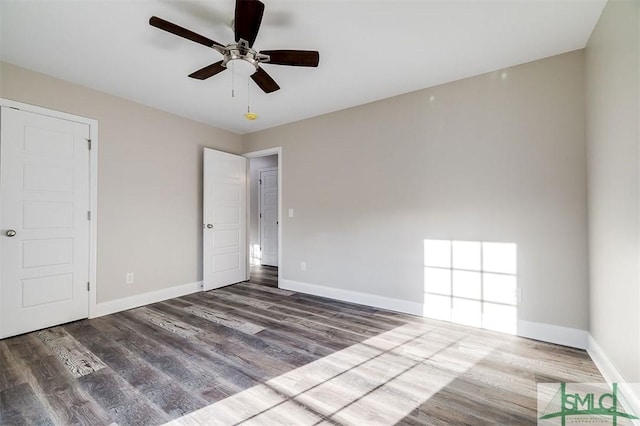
208	71
247	20
180	31
264	81
296	58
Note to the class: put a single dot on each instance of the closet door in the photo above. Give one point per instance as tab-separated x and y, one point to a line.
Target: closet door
269	217
44	223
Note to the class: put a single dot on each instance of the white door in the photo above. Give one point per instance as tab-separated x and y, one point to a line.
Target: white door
44	224
225	219
269	217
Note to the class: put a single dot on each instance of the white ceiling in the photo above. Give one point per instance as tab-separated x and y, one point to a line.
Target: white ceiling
369	50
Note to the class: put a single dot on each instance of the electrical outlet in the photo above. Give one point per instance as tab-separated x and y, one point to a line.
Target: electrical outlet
130	278
303	266
290	212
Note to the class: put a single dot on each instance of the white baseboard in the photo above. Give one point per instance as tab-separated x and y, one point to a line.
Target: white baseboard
612	375
545	332
373	300
559	335
118	305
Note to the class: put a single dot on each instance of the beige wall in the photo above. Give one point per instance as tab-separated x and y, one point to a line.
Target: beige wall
149	182
488	159
613	113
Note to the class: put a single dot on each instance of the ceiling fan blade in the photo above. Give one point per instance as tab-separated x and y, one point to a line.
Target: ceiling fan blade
208	71
296	58
264	81
154	21
248	19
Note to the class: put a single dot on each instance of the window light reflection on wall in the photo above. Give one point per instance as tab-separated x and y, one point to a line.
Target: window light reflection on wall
472	283
255	254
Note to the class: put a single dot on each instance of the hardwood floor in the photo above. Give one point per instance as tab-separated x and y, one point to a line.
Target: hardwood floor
255	354
264	275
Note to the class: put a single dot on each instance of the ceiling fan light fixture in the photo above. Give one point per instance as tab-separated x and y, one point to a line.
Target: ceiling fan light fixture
241	67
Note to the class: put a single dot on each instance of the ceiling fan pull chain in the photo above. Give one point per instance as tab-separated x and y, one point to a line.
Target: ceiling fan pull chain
249	115
233	82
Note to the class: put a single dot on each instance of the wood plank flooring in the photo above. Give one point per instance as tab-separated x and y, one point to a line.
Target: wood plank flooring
254	354
264	275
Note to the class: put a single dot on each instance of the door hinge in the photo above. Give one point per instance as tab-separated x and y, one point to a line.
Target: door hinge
88	215
260	215
88	286
89	144
260	181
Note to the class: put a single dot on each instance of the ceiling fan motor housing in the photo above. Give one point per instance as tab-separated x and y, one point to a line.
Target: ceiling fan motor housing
241	51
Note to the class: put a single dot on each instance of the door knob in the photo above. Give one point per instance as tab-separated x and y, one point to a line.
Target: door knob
11	233
209	225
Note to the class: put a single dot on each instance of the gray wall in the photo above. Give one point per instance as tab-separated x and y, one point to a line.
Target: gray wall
255	165
497	157
613	114
149	182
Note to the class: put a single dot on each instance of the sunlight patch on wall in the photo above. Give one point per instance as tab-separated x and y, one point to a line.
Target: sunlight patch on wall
472	283
255	254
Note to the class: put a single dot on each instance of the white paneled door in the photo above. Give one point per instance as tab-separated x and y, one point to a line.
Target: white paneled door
224	219
269	217
44	223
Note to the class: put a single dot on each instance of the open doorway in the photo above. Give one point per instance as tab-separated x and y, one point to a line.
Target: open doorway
264	216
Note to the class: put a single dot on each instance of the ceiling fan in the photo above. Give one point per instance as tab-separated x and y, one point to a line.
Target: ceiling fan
240	54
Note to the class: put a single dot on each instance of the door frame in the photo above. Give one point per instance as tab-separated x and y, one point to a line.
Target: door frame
267	169
93	185
257	154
